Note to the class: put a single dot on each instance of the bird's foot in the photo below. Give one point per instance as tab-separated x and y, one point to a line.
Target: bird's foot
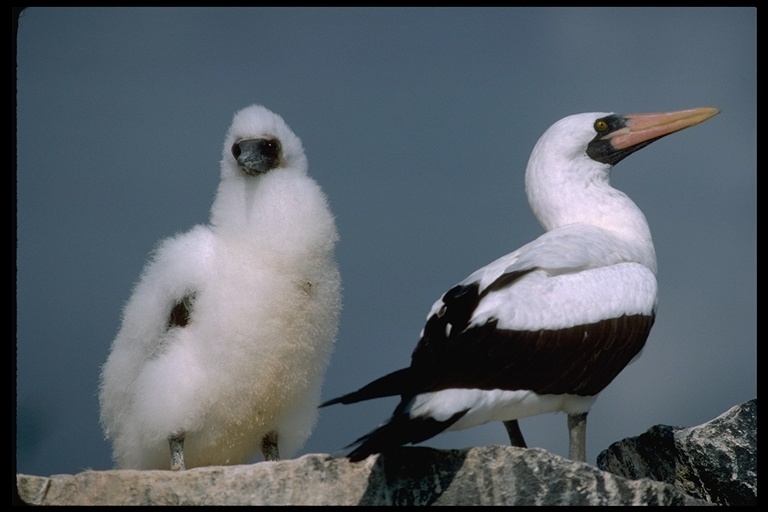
577	437
515	434
269	446
176	441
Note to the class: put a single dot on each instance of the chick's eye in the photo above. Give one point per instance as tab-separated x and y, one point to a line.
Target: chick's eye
601	125
272	148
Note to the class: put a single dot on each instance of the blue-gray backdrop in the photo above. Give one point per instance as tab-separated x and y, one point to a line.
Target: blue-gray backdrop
418	123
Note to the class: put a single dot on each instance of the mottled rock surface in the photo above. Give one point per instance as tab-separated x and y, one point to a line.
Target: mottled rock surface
497	475
716	461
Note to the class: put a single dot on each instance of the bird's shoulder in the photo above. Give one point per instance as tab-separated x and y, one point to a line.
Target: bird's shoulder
576	248
188	250
567	250
176	267
164	294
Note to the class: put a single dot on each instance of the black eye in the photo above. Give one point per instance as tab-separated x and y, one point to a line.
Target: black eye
271	148
601	125
236	150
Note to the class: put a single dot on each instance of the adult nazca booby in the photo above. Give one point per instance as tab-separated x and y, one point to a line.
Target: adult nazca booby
550	325
226	337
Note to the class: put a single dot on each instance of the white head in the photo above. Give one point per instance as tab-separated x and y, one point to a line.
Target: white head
567	179
259	141
259	150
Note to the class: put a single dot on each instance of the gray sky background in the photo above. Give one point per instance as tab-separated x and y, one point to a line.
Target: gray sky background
418	124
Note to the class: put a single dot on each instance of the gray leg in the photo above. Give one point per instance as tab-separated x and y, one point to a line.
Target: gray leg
515	434
269	446
176	441
577	437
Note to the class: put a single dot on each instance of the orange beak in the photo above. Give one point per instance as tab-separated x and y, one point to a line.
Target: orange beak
641	128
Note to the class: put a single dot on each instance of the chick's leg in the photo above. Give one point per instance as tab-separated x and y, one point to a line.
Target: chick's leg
176	441
269	446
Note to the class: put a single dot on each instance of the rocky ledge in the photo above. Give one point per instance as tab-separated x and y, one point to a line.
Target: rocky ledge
712	464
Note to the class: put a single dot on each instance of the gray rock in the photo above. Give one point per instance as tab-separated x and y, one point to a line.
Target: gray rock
716	461
712	464
496	475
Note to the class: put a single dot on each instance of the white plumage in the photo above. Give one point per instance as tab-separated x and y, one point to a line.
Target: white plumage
226	336
548	326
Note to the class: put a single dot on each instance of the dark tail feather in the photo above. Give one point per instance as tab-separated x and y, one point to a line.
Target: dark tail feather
391	384
398	431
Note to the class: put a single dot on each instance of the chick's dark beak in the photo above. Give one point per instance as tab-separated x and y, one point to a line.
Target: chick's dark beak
256	156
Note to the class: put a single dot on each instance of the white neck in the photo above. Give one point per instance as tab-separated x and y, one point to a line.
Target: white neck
573	189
